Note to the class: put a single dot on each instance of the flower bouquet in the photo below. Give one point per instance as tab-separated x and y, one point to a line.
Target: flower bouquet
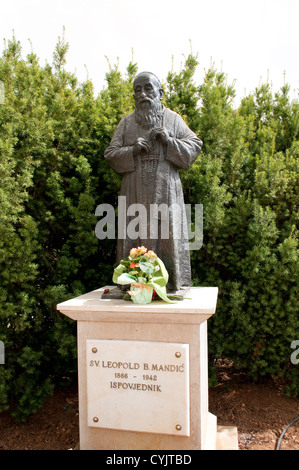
145	273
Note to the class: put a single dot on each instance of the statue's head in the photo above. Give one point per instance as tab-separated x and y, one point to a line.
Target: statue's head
148	94
147	86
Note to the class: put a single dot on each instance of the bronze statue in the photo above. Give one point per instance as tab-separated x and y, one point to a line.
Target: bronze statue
148	149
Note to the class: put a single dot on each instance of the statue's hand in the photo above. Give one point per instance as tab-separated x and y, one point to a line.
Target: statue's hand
160	133
141	144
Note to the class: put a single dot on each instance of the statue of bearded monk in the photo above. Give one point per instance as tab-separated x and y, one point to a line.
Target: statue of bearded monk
148	149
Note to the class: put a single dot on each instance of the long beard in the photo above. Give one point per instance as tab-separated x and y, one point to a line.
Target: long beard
148	114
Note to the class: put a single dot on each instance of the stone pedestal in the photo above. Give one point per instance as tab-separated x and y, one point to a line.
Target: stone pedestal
143	373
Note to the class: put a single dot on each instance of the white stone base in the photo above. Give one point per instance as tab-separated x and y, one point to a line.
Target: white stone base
220	437
224	438
184	323
227	438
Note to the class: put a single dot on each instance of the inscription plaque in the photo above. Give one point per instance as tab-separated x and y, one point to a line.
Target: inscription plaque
138	386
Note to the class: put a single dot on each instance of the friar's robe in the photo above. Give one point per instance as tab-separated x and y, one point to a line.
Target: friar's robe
152	179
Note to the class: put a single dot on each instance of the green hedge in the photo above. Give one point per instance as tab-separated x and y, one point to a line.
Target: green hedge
53	133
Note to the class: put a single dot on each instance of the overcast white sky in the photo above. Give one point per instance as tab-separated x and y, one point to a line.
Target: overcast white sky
251	41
